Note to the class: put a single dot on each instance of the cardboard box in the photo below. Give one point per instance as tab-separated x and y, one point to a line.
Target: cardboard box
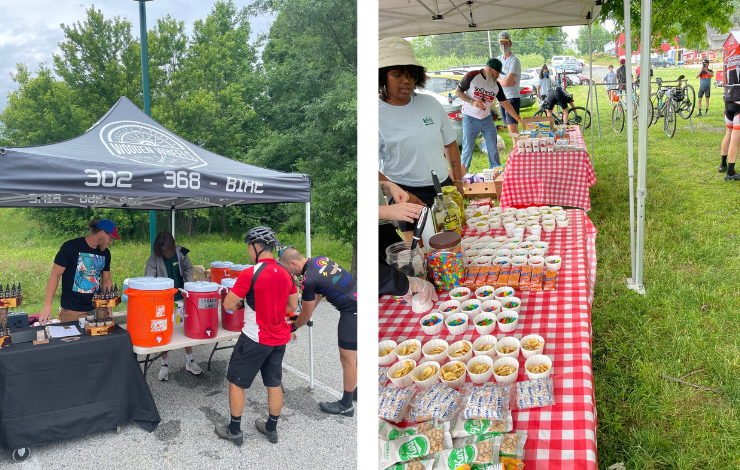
200	273
544	123
476	190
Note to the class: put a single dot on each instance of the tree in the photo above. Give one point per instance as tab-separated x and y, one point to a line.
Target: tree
600	37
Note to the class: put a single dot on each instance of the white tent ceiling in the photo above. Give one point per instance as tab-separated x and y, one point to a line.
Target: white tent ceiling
406	18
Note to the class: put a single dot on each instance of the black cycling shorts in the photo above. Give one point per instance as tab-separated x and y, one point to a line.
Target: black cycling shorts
732	115
563	99
704	91
249	358
347	331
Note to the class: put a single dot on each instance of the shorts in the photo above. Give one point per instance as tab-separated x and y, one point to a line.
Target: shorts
347	331
704	91
425	193
732	116
506	117
66	315
249	358
561	99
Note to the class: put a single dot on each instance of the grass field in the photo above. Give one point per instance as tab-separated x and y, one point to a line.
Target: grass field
688	319
27	253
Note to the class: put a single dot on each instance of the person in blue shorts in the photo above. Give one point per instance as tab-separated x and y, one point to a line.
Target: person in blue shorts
705	85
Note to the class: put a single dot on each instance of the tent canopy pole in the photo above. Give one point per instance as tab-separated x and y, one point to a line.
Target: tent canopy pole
310	322
630	138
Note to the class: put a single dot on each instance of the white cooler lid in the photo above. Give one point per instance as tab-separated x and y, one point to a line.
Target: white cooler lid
228	282
240	267
201	286
151	283
221	264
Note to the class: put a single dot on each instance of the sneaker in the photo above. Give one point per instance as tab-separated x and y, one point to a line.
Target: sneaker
354	395
224	433
193	368
164	373
336	408
734	177
699	113
260	424
722	168
706	112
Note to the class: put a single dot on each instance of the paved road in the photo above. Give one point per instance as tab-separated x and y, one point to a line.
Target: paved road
190	406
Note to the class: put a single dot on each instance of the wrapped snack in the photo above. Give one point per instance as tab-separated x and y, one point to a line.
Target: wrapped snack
389	432
382	376
506	464
503	279
393	402
480	281
439	402
525	278
476	427
435	439
535	284
471	275
516	272
466	441
550	276
480	453
512	445
427	464
489	401
506	269
535	394
493	274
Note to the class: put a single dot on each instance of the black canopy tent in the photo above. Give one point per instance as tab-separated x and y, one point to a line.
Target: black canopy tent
127	160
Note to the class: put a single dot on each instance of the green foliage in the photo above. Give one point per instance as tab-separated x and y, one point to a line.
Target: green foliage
442	62
600	37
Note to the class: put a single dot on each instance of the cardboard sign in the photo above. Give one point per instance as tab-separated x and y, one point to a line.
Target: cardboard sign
538	123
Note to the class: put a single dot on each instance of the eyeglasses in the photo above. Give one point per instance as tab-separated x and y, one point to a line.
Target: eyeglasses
110	237
401	77
280	252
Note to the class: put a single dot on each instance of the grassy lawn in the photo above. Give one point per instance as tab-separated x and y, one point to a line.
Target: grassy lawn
688	319
27	254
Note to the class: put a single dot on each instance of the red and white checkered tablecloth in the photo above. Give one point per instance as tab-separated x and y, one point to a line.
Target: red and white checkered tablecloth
563	436
545	178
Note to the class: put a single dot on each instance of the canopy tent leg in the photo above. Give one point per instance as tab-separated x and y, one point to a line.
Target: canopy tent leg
173	223
152	229
590	82
630	142
310	322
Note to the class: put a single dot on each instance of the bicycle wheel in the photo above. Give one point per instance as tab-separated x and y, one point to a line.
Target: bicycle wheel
580	117
669	121
539	113
686	107
636	114
657	110
618	118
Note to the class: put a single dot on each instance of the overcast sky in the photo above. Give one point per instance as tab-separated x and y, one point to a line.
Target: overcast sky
30	29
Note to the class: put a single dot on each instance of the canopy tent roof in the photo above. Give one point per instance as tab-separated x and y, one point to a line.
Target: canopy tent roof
405	18
128	160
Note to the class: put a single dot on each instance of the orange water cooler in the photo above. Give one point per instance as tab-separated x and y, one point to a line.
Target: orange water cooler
236	269
231	321
150	306
202	303
220	270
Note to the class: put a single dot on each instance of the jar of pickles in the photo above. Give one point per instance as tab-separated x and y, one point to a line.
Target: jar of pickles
411	263
446	215
446	260
457	197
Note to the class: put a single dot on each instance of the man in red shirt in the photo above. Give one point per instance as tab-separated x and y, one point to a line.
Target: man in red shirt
267	292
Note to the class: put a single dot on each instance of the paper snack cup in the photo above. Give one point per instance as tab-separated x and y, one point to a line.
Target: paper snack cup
537	261
548	217
488	252
471	222
425	384
511	342
501	293
541	245
401	382
495	223
415	356
556	209
494	246
554	262
536	252
501	261
529	353
456	346
533	210
501	239
507	219
484	209
544	208
548	225
481	226
493	305
457	329
503	252
507	327
484	377
469	242
389	358
446	305
433	329
485	329
511	303
512	245
482	261
483	340
484	294
473	305
519	260
539	359
429	345
508	379
519	252
520	144
562	220
461	294
532	238
457	383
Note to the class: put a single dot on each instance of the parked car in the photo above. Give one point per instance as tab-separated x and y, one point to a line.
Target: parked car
569	67
443	83
557	60
659	62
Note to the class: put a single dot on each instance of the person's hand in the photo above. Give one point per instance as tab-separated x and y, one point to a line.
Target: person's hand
415	200
479	104
396	192
460	189
45	314
292	319
406	212
421	294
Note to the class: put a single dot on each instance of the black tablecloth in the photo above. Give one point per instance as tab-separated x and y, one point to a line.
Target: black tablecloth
62	389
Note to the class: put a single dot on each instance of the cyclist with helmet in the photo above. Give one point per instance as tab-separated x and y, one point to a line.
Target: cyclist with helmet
267	292
324	277
622	74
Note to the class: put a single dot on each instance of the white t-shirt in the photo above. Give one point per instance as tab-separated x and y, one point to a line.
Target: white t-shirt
474	85
411	140
511	65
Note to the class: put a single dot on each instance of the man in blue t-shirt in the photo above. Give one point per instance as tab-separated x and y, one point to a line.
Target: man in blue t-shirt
705	85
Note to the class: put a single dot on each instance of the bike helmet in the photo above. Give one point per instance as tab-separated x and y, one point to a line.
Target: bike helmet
262	235
622	61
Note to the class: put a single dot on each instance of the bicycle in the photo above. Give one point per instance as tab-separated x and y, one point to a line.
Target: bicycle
577	116
619	111
668	109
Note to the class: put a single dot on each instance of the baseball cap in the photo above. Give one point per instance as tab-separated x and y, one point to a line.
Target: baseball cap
110	227
622	61
495	64
395	51
705	61
504	36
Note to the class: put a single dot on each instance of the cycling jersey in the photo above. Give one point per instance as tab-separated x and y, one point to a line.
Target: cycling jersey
325	277
732	81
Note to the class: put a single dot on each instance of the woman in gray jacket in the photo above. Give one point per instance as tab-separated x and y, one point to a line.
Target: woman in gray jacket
170	260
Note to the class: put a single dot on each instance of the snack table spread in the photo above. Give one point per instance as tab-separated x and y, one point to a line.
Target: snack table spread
553	178
562	436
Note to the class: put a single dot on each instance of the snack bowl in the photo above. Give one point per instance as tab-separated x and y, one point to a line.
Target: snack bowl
434	343
548	225
511	303
448	304
482	261
544	208
532	238
457	329
506	313
484	294
485	376
485	329
553	262
502	292
492	304
495	223
488	252
478	246
536	252
541	245
482	341
469	241
537	261
484	209
512	244
471	308
519	260
562	220
404	381
501	261
481	227
533	210
538	360
494	246
435	328
486	239
459	382
503	252
471	222
548	217
508	219
501	239
556	209
456	346
504	379
519	252
418	370
509	341
526	245
461	294
527	353
414	356
389	358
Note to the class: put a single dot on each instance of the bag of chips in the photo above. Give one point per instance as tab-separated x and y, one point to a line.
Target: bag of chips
489	401
480	453
439	402
476	427
512	445
435	439
393	403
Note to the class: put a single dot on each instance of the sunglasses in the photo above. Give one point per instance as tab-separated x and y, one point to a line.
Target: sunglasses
280	252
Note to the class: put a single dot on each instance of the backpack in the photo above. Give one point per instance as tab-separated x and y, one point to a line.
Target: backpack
622	76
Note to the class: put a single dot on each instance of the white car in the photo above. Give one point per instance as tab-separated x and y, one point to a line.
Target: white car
557	60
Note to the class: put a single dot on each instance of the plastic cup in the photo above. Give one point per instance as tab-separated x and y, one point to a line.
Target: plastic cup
510	226
446	305
502	293
429	345
492	304
461	294
389	358
414	356
433	329
485	329
511	342
518	232
554	262
480	342
401	382
562	220
538	360
507	327
457	346
425	384
535	230
529	353
457	329
537	261
457	383
511	303
507	379
474	305
484	377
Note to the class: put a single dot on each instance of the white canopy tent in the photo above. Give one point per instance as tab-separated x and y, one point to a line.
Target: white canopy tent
407	18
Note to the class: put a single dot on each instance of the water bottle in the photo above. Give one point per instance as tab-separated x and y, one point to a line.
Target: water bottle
449	97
